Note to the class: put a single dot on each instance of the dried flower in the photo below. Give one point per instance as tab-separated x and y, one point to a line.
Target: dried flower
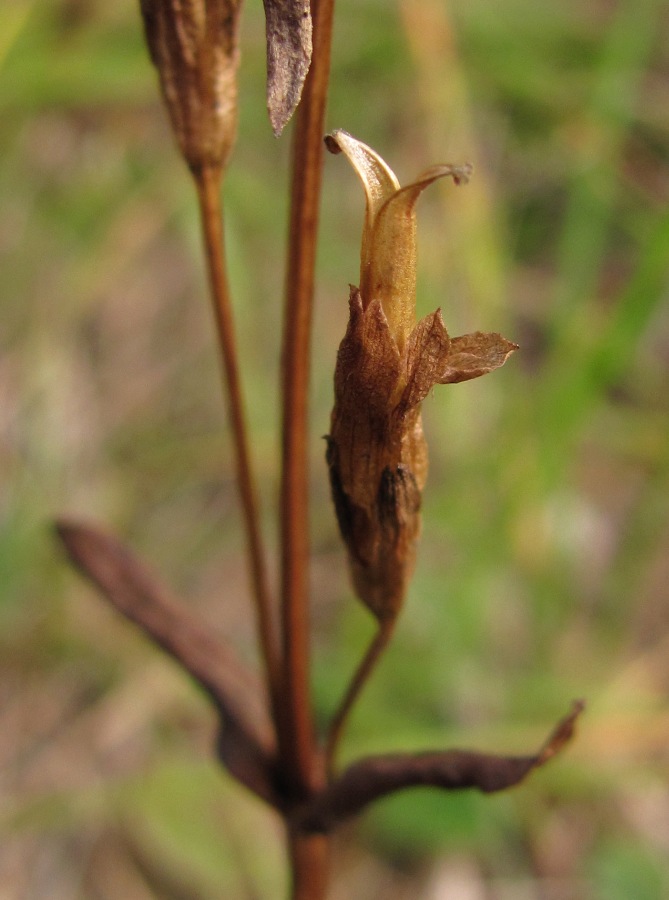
386	366
194	46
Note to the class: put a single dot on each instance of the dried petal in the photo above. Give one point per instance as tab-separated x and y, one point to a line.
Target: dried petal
194	46
388	251
289	48
378	179
389	270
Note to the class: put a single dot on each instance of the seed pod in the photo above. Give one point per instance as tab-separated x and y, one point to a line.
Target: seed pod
194	46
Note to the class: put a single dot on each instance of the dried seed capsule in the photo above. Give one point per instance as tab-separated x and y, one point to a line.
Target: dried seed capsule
194	46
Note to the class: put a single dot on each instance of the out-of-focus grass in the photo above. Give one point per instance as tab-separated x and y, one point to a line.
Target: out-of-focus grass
543	566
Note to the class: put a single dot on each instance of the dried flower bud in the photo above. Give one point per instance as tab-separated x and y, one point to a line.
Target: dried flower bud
194	46
386	366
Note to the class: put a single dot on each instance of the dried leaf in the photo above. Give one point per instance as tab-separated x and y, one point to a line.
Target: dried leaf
374	777
289	48
246	742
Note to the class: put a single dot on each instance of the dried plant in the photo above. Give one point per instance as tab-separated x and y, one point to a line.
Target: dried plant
376	451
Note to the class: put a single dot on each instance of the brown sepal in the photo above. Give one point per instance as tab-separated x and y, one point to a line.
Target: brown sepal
366	377
246	743
289	48
373	449
473	355
427	354
374	777
377	453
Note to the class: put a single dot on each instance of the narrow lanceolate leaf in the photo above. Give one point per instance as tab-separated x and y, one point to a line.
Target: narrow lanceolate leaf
374	777
288	28
246	744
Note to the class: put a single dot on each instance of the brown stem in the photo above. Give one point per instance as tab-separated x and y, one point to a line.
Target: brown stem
309	857
298	743
208	181
360	677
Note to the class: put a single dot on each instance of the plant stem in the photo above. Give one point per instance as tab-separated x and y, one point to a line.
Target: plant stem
309	857
208	182
305	195
360	677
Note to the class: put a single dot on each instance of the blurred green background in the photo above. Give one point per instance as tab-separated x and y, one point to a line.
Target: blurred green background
544	565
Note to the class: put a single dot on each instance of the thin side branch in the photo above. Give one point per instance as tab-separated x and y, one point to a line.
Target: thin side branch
208	182
374	651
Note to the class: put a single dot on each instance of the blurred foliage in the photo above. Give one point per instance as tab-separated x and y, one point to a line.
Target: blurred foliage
543	568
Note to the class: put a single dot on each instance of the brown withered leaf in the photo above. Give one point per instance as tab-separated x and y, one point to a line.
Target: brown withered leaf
289	48
473	355
246	743
374	777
